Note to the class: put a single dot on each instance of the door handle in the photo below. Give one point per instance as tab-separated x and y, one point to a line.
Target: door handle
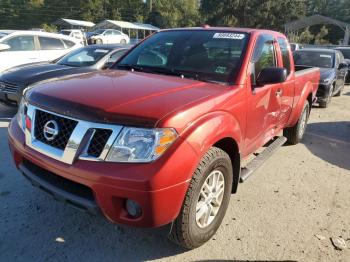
279	92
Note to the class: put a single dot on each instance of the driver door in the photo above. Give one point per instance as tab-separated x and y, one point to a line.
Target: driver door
264	102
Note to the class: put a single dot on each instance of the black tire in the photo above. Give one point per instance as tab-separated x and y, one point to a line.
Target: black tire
98	42
185	230
327	101
295	133
123	41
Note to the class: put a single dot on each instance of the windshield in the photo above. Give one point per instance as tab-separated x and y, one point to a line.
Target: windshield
83	57
314	58
65	32
99	31
345	52
213	56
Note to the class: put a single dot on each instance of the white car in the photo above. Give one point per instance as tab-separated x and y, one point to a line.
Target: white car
24	47
76	33
108	36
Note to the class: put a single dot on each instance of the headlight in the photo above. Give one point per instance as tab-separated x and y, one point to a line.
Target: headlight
141	145
21	114
327	81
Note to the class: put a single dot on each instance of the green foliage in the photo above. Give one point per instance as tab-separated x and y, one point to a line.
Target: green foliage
320	37
49	27
269	14
306	37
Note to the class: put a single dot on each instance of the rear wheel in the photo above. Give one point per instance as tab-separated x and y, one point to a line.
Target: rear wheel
205	202
295	133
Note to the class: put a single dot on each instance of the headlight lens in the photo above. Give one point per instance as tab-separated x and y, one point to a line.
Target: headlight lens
21	114
327	81
141	145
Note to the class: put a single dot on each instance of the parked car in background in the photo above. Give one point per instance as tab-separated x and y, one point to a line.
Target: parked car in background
23	47
159	137
83	60
108	36
346	53
76	33
333	71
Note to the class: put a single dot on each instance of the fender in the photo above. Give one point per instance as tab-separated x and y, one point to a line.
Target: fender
211	128
307	90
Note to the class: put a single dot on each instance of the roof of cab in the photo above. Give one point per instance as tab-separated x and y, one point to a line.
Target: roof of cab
232	29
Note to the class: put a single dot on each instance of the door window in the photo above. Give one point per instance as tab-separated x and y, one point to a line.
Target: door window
21	43
285	53
48	43
115	32
264	56
109	32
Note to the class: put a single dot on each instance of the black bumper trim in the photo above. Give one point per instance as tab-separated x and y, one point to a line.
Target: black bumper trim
59	194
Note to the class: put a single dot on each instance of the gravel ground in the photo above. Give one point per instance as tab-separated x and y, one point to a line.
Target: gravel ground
301	192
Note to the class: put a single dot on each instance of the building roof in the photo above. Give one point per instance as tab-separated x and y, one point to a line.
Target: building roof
314	20
71	22
128	25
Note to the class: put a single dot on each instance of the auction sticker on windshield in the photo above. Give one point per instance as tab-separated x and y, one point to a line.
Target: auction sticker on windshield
101	51
229	36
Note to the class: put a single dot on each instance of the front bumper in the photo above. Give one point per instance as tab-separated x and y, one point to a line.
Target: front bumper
158	187
323	92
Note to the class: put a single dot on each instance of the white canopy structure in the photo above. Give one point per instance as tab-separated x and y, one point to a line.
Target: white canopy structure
73	24
123	26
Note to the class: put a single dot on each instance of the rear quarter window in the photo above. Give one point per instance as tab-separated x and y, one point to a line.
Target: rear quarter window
49	43
68	43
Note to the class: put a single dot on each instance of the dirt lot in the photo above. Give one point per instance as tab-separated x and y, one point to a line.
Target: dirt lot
302	191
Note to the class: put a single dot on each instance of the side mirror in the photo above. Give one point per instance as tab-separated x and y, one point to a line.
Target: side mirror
4	47
343	65
271	75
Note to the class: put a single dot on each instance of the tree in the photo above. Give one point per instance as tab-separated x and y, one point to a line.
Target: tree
320	37
306	37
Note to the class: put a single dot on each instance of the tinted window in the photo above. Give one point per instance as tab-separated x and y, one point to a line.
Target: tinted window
263	56
116	56
205	55
48	43
345	52
109	32
68	43
285	53
64	32
314	58
21	43
83	57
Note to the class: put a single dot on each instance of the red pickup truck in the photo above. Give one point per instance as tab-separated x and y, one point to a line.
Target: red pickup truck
159	138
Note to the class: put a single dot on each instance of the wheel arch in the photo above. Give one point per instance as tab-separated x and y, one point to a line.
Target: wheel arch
230	146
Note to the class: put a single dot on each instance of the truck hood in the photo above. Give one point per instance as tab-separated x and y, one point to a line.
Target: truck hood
32	73
120	97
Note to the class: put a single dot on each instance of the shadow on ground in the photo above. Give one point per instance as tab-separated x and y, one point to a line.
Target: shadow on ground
330	141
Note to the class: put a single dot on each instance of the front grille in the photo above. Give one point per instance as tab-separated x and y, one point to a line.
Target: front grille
8	87
65	129
60	182
98	142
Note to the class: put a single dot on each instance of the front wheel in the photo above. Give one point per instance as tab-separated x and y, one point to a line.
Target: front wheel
325	103
295	133
123	41
205	202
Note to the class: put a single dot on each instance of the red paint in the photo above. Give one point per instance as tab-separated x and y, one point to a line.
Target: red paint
202	114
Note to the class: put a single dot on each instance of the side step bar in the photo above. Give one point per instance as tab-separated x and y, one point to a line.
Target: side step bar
261	158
